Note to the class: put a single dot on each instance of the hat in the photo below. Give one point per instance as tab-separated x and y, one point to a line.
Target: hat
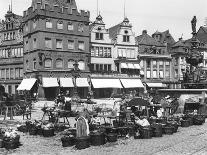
167	97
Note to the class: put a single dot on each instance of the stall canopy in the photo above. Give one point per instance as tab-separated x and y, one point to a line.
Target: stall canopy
66	82
106	83
132	83
137	66
124	65
82	82
49	82
131	66
27	84
156	85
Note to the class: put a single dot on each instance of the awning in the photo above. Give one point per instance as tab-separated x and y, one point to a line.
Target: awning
82	82
27	84
106	83
49	82
156	85
132	83
130	66
137	66
124	65
66	82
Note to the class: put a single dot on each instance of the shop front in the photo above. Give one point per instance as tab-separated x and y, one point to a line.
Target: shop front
51	88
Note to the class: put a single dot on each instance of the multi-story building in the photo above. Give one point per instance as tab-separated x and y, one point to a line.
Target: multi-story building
114	63
56	36
11	52
156	62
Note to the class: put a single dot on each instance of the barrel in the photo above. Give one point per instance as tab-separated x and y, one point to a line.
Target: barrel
82	142
48	132
97	139
169	130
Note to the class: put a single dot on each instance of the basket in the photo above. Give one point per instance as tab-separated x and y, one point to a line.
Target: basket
112	137
68	141
174	125
122	131
185	123
22	128
198	120
33	131
145	133
82	143
1	143
9	145
97	139
48	132
169	130
157	130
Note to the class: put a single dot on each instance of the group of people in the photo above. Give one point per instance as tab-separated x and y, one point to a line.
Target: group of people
63	101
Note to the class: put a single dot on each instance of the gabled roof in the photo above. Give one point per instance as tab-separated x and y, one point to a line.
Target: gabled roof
180	43
202	36
164	35
113	31
146	39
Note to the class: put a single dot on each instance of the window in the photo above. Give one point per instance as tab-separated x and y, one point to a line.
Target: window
21	72
126	38
26	27
7	73
21	52
161	74
59	44
48	63
148	74
34	64
154	74
27	64
148	63
99	36
155	64
12	73
167	63
48	23
92	51
71	44
161	63
81	65
81	45
176	61
176	73
26	46
80	28
101	52
70	64
34	24
35	43
59	63
48	43
60	25
3	74
167	73
70	26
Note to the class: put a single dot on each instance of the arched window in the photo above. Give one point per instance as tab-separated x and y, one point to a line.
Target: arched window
60	25
70	64
81	65
48	63
59	63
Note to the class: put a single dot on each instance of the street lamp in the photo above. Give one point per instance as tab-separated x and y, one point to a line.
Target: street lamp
75	74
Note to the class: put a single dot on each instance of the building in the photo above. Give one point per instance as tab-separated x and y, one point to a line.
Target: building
56	36
114	64
156	62
11	52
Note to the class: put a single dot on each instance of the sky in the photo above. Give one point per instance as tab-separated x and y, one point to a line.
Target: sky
150	15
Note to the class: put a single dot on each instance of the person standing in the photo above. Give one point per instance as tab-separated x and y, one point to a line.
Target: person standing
67	101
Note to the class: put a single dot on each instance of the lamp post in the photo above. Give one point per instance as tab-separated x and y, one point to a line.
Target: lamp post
75	74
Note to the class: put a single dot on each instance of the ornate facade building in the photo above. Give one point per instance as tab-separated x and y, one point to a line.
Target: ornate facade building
56	35
11	52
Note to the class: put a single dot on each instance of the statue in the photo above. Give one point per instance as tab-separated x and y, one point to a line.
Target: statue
193	23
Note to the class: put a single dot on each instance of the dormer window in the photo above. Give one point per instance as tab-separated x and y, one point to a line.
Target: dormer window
126	38
99	28
60	25
99	36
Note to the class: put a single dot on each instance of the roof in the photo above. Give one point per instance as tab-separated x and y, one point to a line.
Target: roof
164	37
146	39
113	31
202	34
180	43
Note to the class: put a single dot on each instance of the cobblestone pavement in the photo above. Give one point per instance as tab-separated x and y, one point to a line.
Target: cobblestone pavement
187	141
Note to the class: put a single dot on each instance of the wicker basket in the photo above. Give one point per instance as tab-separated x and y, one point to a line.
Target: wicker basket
68	141
198	120
169	130
33	131
112	137
145	133
1	143
82	143
97	139
48	133
185	123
